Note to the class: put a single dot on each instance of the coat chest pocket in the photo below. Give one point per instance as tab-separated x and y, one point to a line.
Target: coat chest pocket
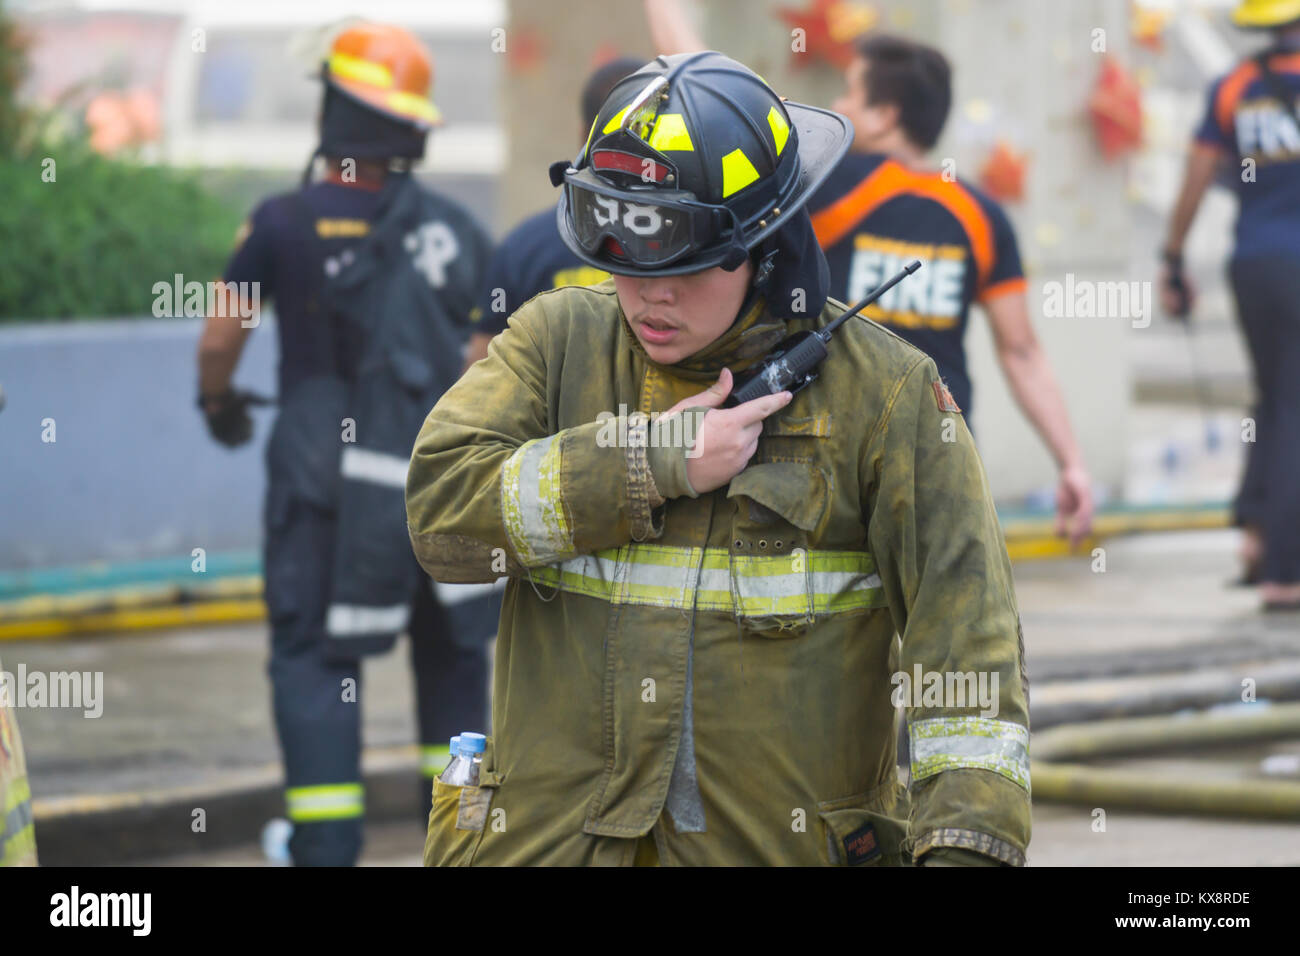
778	508
780	580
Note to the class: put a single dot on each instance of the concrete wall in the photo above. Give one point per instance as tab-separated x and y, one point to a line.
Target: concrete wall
132	473
1031	64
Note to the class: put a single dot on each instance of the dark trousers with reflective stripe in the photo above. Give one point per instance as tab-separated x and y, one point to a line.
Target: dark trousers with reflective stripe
319	726
1268	308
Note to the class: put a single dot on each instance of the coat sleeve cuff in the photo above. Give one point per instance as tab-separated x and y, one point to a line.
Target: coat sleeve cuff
962	839
643	494
668	450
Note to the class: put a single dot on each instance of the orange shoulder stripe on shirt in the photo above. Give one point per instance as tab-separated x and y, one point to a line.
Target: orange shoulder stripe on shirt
891	179
1005	287
1230	90
835	221
1235	83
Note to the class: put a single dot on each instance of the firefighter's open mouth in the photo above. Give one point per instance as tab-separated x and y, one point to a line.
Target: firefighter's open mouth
657	330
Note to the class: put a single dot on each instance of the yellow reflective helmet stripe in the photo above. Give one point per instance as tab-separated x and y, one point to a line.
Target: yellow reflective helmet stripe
979	743
413	104
670	133
780	128
1266	13
616	120
331	801
532	503
347	67
737	172
712	579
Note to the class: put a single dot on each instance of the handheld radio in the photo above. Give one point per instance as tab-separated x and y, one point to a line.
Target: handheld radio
792	365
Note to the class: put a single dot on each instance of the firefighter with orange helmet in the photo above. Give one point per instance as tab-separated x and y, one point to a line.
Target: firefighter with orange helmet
373	278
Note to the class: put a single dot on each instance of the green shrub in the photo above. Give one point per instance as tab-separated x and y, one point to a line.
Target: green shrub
89	236
94	241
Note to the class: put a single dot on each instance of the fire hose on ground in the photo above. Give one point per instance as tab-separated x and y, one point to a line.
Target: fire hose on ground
1058	777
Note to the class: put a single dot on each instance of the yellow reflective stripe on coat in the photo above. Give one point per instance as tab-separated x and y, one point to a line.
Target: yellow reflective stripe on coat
979	743
532	503
812	582
17	830
331	801
19	848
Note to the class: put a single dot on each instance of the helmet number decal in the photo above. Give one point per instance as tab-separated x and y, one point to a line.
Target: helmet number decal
609	207
432	247
642	220
639	219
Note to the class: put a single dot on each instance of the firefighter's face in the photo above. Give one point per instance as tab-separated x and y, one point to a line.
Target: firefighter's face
676	316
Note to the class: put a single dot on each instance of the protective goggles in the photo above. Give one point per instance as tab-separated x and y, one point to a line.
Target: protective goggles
646	226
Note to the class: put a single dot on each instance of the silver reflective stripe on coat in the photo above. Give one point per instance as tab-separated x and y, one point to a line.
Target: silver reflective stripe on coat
802	583
377	468
979	743
357	620
532	502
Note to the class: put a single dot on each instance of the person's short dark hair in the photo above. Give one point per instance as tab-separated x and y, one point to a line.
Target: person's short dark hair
913	77
602	82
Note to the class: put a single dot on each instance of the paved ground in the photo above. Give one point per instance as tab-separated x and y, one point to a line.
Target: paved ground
1063	836
191	709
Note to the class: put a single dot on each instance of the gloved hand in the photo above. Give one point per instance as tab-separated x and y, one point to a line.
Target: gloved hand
227	416
954	856
1176	293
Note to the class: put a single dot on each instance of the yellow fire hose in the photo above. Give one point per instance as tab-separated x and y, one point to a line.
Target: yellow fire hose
1057	781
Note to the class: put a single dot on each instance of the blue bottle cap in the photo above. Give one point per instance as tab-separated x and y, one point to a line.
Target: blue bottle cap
455	745
471	743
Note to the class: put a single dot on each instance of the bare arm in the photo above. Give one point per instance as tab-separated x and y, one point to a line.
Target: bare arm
1038	394
220	345
475	349
1202	163
670	28
1177	294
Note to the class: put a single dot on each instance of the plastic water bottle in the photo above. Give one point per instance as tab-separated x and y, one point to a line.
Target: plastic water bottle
464	767
453	749
473	745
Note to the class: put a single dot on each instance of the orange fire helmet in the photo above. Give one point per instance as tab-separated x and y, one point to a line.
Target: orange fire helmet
387	69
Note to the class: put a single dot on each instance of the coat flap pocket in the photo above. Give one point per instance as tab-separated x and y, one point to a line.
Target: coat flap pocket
795	491
856	836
